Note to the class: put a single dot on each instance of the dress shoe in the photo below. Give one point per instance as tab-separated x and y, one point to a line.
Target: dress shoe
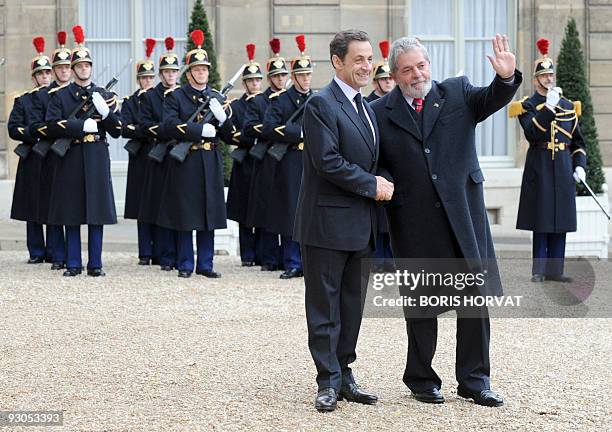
326	400
184	273
292	273
57	266
268	267
72	272
209	274
95	272
560	278
537	278
484	397
167	268
432	395
143	261
36	260
248	263
353	393
155	261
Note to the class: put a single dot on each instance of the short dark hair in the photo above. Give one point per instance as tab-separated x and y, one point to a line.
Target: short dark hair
340	43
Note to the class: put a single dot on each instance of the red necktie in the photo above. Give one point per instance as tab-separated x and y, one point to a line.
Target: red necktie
418	104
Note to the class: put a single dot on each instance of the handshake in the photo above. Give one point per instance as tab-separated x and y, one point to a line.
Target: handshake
384	189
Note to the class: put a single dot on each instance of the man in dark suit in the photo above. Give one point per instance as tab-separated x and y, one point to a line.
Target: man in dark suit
338	193
427	146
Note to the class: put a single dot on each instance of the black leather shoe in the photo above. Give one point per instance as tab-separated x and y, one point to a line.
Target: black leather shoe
37	260
326	400
484	397
72	272
167	268
353	393
268	267
432	396
57	266
537	278
560	278
292	273
143	261
209	274
248	263
154	261
184	274
95	272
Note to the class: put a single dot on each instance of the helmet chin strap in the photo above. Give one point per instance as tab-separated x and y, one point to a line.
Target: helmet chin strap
196	81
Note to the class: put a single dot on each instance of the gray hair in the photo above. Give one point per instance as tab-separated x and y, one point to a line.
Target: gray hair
403	45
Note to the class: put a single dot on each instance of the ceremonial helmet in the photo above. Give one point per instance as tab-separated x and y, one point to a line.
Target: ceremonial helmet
276	64
301	63
197	56
80	53
544	64
381	68
146	67
169	60
252	69
40	61
61	55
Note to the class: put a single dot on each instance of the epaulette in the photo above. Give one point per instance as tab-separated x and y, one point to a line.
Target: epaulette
17	96
35	89
125	98
251	96
578	108
142	91
516	108
278	93
170	90
53	90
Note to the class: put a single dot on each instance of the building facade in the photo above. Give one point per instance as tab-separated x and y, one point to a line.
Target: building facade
456	32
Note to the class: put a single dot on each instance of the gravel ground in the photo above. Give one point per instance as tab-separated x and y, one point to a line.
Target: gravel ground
143	350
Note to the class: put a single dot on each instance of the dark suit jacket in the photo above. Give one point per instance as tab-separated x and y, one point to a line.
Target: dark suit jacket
336	206
438	208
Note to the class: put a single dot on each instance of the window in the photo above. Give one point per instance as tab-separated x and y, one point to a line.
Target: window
115	30
458	40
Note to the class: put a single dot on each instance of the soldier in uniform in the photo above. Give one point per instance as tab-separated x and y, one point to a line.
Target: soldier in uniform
242	170
82	191
134	130
283	128
151	112
192	196
60	63
383	83
263	170
555	160
25	205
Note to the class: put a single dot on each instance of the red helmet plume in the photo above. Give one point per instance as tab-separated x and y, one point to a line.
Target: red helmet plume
543	45
39	44
79	34
197	36
384	48
250	49
275	45
150	45
169	42
301	42
61	38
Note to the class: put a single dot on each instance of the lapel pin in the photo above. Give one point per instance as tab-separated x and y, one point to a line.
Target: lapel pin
437	105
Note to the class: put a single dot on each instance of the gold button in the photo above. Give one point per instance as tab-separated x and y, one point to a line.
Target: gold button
207	146
301	146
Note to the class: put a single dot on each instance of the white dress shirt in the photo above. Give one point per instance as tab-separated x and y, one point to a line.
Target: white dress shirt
350	94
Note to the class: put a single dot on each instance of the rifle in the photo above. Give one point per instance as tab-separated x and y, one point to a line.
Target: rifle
23	150
133	146
258	151
239	154
180	151
41	148
61	145
278	151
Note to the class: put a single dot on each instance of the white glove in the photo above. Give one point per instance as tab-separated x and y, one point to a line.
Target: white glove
552	97
217	111
90	126
579	174
208	131
100	104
